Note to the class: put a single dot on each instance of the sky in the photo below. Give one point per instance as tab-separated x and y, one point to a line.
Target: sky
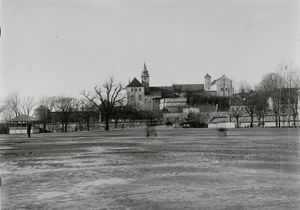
61	47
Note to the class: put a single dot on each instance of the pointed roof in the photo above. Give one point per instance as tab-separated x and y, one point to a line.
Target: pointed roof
207	75
145	71
223	76
135	83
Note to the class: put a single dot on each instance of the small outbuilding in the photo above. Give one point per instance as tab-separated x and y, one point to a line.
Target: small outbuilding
18	125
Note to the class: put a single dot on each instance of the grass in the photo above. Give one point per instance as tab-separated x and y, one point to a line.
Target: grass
179	169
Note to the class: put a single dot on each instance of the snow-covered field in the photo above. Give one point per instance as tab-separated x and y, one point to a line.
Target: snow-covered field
178	169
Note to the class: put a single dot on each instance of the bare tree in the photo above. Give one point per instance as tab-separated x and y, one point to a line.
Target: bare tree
27	105
292	82
64	107
244	87
250	105
271	84
3	110
261	106
106	98
83	111
237	109
10	106
43	112
48	102
13	103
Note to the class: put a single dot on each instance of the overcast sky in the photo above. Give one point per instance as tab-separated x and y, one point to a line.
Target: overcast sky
56	47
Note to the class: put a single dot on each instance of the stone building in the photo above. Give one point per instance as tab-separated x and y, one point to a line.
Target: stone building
223	86
142	96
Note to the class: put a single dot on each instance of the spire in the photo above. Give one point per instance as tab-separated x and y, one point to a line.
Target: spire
145	71
145	67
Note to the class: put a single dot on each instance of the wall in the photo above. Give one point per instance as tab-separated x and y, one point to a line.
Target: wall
151	103
173	117
207	83
172	102
133	98
22	130
221	125
224	86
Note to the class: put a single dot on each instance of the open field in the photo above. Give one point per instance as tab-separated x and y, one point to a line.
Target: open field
178	169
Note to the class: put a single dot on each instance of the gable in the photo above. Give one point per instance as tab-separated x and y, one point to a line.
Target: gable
135	83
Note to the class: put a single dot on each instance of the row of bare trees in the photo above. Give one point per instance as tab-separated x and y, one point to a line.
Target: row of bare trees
106	100
14	105
61	106
276	94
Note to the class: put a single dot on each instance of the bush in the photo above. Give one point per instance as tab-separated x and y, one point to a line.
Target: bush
4	129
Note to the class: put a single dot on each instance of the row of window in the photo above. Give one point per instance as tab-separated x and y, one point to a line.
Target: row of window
135	89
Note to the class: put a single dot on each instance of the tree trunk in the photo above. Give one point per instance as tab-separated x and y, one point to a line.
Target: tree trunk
106	123
251	123
237	122
44	127
88	125
294	120
66	127
279	117
258	118
116	122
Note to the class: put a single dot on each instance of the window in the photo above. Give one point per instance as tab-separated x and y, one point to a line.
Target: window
131	97
140	97
139	89
135	89
131	89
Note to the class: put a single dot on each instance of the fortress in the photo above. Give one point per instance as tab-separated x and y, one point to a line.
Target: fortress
142	96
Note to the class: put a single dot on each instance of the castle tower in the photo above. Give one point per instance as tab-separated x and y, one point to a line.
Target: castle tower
207	82
145	79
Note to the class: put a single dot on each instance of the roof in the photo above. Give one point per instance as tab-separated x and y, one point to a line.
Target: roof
219	120
161	88
189	87
135	83
223	76
165	110
207	75
145	71
23	118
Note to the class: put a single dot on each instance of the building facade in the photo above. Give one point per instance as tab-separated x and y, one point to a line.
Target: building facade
142	96
223	86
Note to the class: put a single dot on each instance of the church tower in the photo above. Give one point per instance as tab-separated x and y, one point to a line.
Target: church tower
145	79
207	82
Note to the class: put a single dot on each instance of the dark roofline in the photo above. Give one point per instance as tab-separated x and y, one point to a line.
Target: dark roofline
207	75
135	83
